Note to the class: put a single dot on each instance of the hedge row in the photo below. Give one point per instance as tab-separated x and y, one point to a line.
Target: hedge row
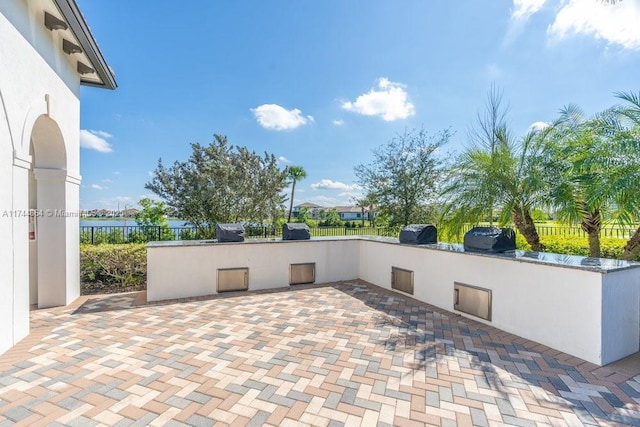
125	265
114	265
572	245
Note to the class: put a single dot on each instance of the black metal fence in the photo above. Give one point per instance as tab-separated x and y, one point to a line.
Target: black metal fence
613	232
576	231
141	234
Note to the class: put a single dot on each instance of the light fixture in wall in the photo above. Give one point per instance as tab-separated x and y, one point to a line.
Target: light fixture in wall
84	69
70	48
53	23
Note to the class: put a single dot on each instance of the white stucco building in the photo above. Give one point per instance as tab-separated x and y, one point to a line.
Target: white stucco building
46	53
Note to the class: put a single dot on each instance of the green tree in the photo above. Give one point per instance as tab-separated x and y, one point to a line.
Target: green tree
221	183
295	174
305	216
152	220
363	204
624	168
404	175
330	218
368	202
497	172
594	176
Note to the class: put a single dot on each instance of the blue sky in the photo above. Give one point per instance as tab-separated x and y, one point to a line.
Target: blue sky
320	84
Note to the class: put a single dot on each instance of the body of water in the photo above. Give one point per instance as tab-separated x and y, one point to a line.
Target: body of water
173	223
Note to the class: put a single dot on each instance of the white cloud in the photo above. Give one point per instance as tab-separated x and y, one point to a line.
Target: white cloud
283	159
101	133
326	201
98	187
353	196
107	181
122	199
95	140
390	101
275	117
493	72
617	24
152	196
538	126
327	184
117	202
116	172
522	9
338	122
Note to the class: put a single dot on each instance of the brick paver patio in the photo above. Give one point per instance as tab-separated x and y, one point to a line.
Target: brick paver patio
346	353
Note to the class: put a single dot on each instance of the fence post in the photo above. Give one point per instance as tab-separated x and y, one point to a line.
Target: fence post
159	233
92	236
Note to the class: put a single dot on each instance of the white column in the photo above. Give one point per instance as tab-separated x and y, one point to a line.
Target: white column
20	208
72	230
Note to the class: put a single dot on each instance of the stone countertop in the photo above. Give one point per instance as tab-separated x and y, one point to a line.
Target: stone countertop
602	265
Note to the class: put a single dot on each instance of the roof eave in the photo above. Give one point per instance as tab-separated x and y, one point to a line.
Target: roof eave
72	14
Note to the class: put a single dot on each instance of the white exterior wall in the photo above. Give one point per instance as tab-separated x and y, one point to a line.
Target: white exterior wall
620	296
553	305
6	230
586	313
36	80
189	270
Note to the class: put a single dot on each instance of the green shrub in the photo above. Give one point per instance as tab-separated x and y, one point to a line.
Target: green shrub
85	236
150	233
571	245
609	247
114	264
103	236
187	234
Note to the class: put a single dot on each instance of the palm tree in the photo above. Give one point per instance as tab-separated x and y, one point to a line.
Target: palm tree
295	174
626	180
367	202
496	172
594	178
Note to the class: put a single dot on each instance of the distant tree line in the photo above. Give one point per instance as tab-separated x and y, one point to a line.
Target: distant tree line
586	170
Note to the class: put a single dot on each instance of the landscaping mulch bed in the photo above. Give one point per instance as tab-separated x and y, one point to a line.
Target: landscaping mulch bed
97	288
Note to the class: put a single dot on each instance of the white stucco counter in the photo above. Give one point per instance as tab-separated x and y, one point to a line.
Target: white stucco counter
586	307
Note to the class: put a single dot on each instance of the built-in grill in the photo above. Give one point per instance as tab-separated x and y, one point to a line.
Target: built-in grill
419	234
230	232
490	240
296	231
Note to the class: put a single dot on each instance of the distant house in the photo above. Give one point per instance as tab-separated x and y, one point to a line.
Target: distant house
314	210
47	51
130	213
352	213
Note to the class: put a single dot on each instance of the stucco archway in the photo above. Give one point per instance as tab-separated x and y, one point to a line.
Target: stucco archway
48	261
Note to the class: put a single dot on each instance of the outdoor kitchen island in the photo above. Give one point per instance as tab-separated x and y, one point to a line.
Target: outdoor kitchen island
586	307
